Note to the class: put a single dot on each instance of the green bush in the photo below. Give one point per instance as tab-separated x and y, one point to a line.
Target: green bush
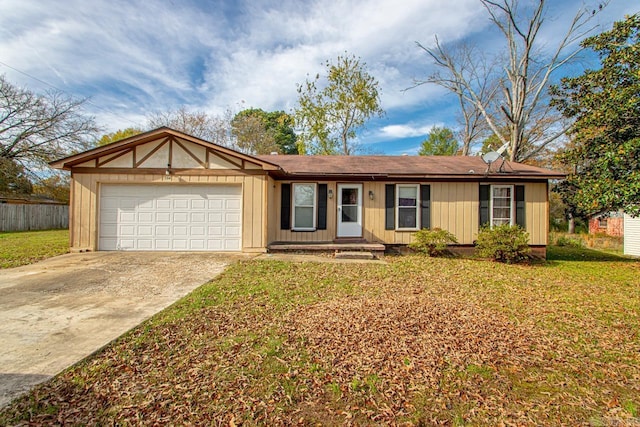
570	242
432	242
504	243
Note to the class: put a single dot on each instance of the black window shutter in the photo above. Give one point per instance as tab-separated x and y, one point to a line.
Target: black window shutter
484	205
322	206
425	202
285	207
520	206
389	207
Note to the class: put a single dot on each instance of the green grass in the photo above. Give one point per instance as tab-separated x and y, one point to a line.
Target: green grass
419	340
27	247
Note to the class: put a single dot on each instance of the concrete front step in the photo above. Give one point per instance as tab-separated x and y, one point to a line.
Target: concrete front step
354	255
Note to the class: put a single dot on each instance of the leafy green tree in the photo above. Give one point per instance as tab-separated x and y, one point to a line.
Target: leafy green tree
118	135
439	142
329	117
13	178
55	187
259	132
605	104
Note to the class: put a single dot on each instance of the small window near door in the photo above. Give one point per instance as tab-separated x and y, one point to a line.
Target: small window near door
407	206
501	205
304	207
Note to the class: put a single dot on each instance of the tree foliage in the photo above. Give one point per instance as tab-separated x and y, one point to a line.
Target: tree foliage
108	138
14	180
54	187
605	104
439	142
330	116
510	91
35	129
259	132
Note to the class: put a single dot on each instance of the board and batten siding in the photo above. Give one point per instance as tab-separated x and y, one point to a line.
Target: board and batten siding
84	218
454	207
631	235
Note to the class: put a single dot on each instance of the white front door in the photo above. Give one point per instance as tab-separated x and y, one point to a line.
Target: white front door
349	210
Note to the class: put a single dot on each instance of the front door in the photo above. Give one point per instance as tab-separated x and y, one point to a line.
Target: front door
349	210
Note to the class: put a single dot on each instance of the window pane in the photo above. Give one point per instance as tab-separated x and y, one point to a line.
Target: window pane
304	195
407	196
497	221
349	213
406	218
304	217
407	192
349	196
502	192
502	213
502	203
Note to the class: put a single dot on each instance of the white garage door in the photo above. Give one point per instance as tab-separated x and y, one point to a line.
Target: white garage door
170	217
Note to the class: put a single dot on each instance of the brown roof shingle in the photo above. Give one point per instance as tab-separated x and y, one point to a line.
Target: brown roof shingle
404	166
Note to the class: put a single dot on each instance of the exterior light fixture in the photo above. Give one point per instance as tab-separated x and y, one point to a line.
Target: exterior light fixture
168	171
330	194
371	195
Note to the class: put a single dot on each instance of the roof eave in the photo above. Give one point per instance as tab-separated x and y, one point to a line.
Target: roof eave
67	163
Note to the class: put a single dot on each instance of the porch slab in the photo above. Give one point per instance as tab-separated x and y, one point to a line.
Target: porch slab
325	247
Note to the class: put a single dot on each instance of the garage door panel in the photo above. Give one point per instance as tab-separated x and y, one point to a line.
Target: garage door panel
162	244
163	204
181	204
145	244
195	231
109	216
163	231
127	217
232	204
109	230
163	216
215	217
232	231
108	244
232	217
145	230
198	218
145	217
110	203
216	204
198	204
170	217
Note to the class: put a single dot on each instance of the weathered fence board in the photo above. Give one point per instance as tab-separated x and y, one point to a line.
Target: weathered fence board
24	217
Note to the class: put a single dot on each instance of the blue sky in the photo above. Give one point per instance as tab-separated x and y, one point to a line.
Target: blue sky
135	57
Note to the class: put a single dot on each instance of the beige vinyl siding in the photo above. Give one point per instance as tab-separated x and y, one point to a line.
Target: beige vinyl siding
536	197
454	207
84	221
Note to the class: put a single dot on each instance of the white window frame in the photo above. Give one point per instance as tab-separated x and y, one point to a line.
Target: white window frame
398	207
512	204
314	206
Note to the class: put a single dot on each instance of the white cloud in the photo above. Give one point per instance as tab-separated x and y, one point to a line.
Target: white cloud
137	56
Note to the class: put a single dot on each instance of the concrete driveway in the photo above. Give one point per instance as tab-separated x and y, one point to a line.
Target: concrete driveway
58	311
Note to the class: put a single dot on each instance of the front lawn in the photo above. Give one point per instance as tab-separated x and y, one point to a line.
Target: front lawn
26	247
418	341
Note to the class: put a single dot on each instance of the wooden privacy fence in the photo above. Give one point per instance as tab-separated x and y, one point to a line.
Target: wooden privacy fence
24	217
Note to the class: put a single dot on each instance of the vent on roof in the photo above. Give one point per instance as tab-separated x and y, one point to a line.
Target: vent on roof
274	153
404	154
